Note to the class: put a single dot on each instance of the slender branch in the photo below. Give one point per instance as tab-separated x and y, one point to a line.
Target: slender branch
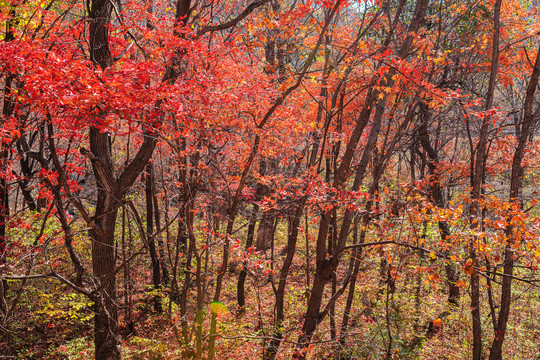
53	275
233	22
388	242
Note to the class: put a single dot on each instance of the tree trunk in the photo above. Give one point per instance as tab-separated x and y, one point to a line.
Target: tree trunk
111	189
156	269
267	225
437	198
266	230
106	341
476	182
279	313
4	215
240	289
7	110
161	246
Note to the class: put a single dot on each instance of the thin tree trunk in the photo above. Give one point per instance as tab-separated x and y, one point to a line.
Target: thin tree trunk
156	269
476	182
7	110
128	287
279	311
165	277
240	289
184	235
4	216
355	259
436	195
27	175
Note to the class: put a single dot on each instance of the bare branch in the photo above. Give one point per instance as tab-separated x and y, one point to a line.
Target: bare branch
233	22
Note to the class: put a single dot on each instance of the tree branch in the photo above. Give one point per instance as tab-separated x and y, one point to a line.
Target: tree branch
233	22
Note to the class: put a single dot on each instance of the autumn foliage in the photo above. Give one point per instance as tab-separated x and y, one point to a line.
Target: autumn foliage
266	179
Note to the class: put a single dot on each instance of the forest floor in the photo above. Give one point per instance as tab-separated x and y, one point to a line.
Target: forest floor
414	321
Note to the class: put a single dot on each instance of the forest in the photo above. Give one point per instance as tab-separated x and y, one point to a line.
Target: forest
269	179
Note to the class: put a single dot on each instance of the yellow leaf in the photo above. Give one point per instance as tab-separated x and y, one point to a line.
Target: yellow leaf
218	308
